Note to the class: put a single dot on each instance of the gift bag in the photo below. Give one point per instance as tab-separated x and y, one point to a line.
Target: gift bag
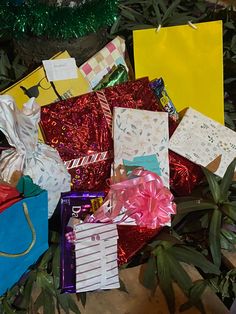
23	237
96	257
36	85
29	157
190	60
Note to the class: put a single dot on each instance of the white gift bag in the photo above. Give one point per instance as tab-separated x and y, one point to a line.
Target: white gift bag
40	161
96	256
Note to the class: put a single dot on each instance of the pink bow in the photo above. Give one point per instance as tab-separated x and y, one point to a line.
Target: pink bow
142	197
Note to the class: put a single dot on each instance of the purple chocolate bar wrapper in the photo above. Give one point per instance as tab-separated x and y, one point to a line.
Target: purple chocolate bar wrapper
76	205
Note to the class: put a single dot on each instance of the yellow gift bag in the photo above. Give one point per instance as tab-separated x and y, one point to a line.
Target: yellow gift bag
190	60
36	85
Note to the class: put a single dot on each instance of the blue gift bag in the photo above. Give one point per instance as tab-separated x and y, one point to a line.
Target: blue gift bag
23	237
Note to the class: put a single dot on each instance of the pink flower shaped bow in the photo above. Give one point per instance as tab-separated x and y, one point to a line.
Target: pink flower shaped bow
142	197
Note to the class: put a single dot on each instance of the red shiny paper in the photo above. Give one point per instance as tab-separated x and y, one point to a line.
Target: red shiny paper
8	196
79	127
131	240
184	175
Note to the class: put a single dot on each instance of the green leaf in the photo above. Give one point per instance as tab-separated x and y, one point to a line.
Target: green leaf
229	25
115	26
63	300
225	244
191	206
229	210
73	306
229	80
39	302
47	256
45	281
178	273
191	256
229	235
24	304
227	181
214	237
165	280
162	5
196	292
149	278
7	308
213	184
157	12
170	10
56	267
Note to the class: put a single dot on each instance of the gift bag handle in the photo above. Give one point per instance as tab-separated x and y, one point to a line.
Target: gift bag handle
26	212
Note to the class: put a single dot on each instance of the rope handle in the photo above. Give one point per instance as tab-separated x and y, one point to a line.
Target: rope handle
26	212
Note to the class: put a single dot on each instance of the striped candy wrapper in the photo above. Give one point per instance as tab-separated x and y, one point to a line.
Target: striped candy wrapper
96	256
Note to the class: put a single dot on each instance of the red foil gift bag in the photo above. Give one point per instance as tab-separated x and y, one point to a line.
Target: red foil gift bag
80	129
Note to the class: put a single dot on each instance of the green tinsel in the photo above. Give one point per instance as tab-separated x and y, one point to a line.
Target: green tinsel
42	20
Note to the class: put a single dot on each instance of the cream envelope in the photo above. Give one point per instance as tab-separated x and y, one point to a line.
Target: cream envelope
204	142
141	133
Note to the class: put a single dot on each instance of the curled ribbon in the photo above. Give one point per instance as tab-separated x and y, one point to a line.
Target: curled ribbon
142	197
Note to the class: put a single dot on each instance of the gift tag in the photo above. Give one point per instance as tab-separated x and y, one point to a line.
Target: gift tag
60	69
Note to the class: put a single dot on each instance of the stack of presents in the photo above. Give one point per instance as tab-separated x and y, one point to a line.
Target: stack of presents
109	152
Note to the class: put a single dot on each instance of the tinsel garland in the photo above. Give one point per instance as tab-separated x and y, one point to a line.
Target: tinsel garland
41	20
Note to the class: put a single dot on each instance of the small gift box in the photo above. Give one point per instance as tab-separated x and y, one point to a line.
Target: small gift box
204	142
80	129
75	206
102	62
139	134
96	257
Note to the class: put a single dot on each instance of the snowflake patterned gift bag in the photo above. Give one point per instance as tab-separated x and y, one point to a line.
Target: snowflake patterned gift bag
204	142
141	138
96	256
27	156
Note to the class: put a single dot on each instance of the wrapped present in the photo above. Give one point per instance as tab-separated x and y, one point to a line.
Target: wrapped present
184	174
117	75
96	257
80	129
204	142
36	85
102	62
138	134
27	156
75	206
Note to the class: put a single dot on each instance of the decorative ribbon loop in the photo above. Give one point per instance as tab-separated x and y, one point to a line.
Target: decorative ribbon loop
142	197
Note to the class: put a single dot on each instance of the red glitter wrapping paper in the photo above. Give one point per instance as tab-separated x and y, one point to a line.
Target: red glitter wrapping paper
131	240
80	129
